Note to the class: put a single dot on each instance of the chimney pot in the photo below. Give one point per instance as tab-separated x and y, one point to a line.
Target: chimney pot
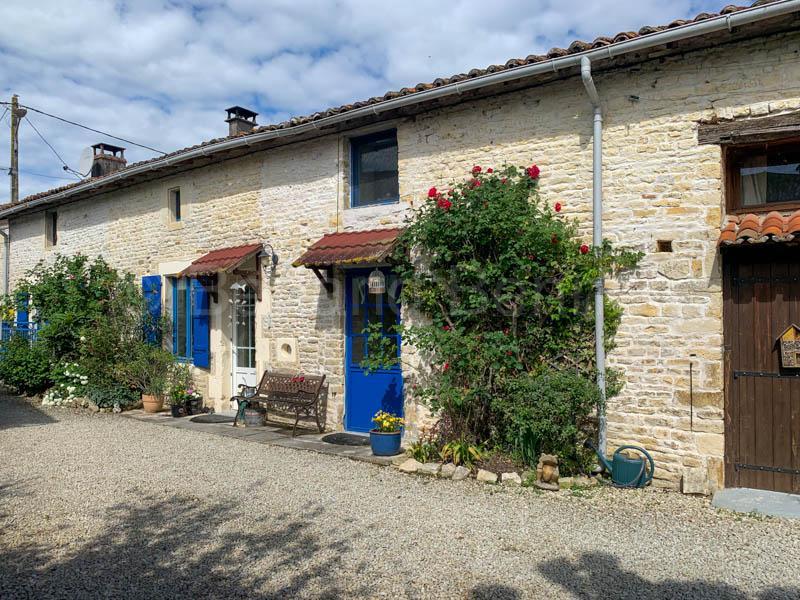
107	159
240	120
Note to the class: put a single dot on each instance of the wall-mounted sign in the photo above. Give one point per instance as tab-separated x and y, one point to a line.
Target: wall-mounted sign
789	342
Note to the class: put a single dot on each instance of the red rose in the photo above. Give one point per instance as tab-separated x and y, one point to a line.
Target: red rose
476	169
446	327
554	239
510	353
475	183
432	192
444	204
533	172
584	249
490	170
557	206
445	366
503	180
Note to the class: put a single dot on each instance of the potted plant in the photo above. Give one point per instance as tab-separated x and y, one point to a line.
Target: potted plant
385	438
181	390
149	372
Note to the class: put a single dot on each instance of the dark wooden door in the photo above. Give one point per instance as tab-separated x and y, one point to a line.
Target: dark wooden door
761	291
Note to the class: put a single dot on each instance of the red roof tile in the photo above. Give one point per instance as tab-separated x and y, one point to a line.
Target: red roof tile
221	260
757	229
574	48
351	247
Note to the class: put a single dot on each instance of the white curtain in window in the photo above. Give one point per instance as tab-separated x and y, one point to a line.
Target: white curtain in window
754	180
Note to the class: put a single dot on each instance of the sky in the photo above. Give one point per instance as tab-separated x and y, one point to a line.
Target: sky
162	73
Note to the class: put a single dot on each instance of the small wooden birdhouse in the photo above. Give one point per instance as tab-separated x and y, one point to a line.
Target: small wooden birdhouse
790	347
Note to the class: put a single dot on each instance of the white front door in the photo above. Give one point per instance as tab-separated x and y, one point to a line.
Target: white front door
243	335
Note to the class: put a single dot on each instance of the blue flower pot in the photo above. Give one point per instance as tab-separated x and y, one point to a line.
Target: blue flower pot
385	444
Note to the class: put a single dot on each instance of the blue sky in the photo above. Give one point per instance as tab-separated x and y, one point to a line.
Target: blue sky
162	73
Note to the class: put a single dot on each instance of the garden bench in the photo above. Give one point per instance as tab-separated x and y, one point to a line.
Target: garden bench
294	393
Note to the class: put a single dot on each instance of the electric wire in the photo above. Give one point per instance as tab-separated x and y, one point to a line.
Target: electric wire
26	172
49	145
41	112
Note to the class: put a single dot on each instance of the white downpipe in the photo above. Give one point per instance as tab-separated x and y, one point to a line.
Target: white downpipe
597	241
6	259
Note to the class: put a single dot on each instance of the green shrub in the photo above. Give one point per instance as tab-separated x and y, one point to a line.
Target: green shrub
505	284
108	396
547	413
24	366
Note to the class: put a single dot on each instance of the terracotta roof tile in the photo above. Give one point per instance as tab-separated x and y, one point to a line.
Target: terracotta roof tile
221	260
350	247
575	47
756	229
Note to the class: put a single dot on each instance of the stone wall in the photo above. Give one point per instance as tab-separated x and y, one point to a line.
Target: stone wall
659	185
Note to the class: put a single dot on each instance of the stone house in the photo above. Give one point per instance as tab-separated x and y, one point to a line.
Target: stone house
259	244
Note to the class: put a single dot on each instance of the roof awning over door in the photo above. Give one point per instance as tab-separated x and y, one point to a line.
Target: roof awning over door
221	261
348	249
760	228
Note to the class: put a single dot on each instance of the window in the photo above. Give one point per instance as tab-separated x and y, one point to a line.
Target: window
175	205
51	228
763	176
374	169
182	318
191	322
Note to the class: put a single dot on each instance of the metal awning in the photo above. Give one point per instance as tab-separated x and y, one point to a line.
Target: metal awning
221	261
348	249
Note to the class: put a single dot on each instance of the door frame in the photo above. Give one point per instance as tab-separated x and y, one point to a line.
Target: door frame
349	273
234	337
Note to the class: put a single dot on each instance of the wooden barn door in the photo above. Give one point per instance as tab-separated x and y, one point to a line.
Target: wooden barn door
761	291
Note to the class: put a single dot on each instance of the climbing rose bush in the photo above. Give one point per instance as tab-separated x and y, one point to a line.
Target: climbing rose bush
505	284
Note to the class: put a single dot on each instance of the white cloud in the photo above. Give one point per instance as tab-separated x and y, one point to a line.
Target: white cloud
161	73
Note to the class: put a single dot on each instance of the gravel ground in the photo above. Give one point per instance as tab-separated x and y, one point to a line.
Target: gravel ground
103	506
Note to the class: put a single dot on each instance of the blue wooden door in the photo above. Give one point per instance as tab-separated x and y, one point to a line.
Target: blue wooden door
366	394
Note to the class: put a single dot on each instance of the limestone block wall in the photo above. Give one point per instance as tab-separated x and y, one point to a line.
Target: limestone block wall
659	184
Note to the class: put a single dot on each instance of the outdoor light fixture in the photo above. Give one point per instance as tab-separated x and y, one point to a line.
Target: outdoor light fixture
376	282
273	262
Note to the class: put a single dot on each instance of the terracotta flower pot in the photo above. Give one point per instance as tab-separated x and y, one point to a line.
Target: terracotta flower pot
152	404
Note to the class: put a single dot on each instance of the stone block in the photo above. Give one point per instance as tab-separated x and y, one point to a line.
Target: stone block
511	479
695	481
447	470
432	469
460	473
410	466
486	476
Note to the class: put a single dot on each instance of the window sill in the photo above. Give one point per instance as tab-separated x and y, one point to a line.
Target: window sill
765	208
374	204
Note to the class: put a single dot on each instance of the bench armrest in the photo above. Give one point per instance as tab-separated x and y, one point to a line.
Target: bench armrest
247	391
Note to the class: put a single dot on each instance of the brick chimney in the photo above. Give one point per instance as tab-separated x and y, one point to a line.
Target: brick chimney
240	120
107	159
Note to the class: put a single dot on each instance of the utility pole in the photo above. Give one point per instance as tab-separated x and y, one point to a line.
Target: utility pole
16	116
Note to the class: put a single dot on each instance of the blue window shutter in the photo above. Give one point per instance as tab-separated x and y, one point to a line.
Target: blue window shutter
22	311
201	342
151	289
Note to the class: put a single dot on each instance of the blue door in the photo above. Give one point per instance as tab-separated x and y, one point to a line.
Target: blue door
366	394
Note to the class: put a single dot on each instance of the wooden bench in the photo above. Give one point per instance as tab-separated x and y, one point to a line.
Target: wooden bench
294	393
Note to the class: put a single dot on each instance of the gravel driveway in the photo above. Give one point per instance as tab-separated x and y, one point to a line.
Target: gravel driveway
102	506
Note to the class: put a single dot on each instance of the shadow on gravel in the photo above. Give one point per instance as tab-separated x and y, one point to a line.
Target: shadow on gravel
16	412
598	575
182	548
493	591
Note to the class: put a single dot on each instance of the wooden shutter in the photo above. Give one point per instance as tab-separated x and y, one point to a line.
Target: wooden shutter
151	290
201	326
22	311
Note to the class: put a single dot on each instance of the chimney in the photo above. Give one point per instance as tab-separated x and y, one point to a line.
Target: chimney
240	120
107	159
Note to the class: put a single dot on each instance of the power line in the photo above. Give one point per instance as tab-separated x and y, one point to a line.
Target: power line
5	168
41	112
49	145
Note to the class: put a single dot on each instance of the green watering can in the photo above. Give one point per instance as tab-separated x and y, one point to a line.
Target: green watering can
627	472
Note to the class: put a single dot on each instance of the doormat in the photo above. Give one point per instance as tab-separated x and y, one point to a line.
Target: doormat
346	439
211	419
